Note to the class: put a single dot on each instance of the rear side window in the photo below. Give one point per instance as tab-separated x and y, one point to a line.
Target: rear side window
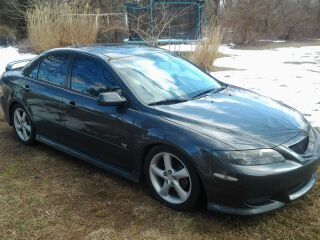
53	69
34	73
90	77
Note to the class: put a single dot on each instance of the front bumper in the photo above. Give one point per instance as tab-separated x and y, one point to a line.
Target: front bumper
251	190
266	206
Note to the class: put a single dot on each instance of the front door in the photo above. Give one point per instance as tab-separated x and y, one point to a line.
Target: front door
105	132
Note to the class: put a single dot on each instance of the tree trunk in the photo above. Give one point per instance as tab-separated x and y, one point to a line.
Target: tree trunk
216	8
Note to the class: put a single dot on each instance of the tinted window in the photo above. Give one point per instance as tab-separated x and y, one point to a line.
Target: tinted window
34	73
90	77
54	69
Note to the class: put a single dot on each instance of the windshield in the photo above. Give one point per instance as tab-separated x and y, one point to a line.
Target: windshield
162	76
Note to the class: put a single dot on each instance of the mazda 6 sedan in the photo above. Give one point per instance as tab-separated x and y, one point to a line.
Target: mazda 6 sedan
145	113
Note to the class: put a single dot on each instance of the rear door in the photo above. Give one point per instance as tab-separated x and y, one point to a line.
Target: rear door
43	94
105	132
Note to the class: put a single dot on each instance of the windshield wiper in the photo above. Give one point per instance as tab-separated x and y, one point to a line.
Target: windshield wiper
204	93
169	101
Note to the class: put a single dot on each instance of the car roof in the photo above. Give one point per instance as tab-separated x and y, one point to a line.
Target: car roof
112	51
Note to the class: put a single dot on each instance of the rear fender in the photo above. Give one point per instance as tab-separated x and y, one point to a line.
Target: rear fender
11	103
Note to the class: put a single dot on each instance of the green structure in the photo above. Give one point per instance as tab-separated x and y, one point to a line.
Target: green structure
191	17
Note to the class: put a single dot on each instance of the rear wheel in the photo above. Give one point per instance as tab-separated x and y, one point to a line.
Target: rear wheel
171	178
23	125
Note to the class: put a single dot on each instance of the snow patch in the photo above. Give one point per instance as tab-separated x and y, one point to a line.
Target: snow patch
273	41
10	54
180	47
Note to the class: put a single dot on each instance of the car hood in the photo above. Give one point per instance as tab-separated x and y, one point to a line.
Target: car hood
240	118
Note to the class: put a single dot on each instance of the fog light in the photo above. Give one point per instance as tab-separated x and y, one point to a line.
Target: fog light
224	176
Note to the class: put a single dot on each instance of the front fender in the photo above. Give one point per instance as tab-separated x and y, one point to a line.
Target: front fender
196	147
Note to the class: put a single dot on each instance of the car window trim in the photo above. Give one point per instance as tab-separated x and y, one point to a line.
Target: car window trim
36	66
33	65
46	83
40	60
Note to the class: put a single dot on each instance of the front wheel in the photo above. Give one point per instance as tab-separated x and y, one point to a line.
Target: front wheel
171	178
23	125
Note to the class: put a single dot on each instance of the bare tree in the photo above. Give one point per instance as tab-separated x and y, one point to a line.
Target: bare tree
216	8
247	21
151	30
227	3
12	14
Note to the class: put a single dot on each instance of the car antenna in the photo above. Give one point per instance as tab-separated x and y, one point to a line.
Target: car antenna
76	44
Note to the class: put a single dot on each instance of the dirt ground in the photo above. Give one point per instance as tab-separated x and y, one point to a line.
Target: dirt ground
45	194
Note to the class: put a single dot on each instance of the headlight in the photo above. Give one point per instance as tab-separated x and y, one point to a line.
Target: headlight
250	157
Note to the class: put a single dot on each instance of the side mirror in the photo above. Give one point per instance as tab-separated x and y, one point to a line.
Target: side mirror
111	99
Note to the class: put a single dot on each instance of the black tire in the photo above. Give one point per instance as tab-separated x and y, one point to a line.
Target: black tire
194	192
32	134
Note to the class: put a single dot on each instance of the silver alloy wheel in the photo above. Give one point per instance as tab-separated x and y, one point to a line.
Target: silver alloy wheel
170	178
22	124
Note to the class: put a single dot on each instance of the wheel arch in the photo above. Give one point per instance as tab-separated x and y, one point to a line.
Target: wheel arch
12	104
149	147
185	154
143	155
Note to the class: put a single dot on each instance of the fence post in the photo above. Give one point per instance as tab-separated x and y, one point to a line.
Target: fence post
97	22
169	38
151	16
207	14
126	19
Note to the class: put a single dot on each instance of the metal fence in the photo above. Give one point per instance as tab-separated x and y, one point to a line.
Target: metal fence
188	25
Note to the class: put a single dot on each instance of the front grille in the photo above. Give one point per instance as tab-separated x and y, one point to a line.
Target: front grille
301	146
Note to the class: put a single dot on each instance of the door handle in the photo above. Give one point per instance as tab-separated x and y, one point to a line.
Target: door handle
72	105
27	88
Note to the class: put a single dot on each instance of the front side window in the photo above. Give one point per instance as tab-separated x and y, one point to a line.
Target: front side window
161	76
89	77
53	69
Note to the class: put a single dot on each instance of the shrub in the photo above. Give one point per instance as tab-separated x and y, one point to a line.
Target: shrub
249	21
7	35
53	25
206	50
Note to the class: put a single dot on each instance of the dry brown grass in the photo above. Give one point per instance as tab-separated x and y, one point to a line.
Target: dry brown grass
54	24
206	50
45	194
